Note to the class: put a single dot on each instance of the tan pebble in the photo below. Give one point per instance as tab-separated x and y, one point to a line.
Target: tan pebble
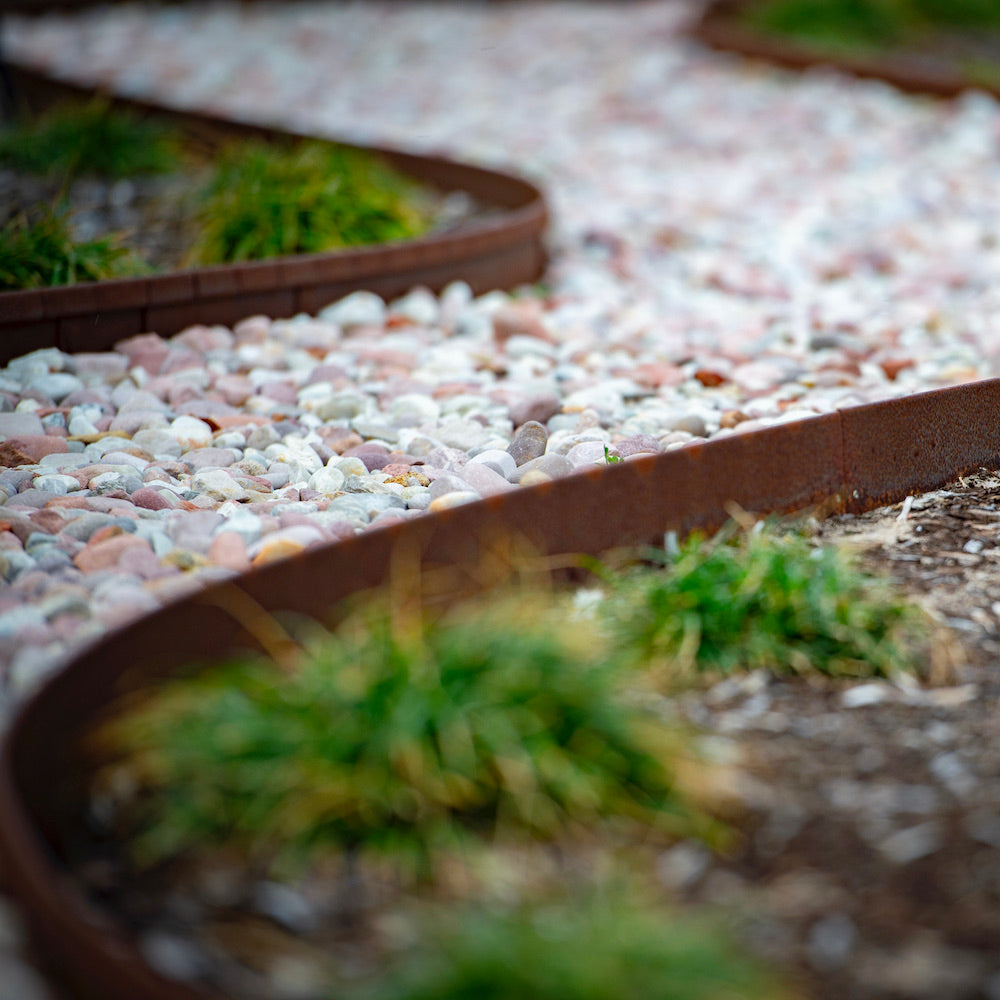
278	548
184	559
732	417
454	499
97	436
533	477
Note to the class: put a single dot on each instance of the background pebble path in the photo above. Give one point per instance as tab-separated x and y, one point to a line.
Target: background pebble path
732	246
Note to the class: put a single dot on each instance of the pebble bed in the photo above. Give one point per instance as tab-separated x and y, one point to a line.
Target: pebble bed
732	246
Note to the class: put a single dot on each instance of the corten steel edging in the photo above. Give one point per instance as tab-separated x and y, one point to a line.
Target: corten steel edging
500	252
720	28
855	458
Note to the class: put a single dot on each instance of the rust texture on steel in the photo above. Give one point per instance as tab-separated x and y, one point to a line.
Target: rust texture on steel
855	459
500	252
720	27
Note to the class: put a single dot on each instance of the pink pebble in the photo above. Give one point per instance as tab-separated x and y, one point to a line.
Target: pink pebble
151	499
36	446
106	554
229	551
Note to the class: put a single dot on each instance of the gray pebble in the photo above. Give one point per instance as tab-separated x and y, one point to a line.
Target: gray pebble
263	437
529	442
32	664
501	462
19	617
37	542
158	442
913	843
53	421
70	600
951	771
33	498
984	825
12	930
285	906
692	423
683	865
551	466
55	385
278	475
57	484
84	525
173	956
16	424
357	309
61	461
107	482
831	941
19	981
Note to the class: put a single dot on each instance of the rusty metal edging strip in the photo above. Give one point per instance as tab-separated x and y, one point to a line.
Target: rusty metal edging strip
719	28
853	459
492	253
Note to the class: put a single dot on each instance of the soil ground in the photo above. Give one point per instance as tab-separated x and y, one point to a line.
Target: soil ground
872	855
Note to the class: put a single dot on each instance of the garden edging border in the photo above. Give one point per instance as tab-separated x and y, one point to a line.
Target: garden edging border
719	28
852	459
496	253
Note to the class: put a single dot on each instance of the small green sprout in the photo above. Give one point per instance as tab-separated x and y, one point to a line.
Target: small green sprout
611	459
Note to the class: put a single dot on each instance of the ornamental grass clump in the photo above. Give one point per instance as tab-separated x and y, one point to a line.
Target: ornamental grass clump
39	251
90	140
272	200
598	946
762	599
402	737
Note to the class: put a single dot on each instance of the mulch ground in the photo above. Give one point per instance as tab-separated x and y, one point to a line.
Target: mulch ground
872	856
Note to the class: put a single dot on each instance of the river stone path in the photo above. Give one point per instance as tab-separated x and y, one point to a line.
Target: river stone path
732	246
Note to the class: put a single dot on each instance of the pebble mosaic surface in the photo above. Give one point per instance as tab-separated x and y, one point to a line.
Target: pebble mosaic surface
732	246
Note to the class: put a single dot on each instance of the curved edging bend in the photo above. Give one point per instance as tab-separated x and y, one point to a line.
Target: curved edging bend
720	28
500	252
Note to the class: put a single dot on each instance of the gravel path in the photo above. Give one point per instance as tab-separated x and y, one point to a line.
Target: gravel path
732	246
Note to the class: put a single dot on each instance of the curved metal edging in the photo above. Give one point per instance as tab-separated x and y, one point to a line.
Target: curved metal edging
720	28
853	459
494	253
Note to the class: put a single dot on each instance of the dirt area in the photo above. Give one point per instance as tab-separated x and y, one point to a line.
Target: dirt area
872	855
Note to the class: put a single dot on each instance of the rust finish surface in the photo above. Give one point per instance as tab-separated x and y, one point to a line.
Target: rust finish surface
720	28
867	454
926	439
500	252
